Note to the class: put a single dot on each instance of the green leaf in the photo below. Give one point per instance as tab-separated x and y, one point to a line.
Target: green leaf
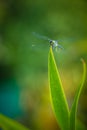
8	124
76	99
57	94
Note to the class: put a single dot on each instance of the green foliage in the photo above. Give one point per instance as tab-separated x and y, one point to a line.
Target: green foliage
65	119
8	124
76	99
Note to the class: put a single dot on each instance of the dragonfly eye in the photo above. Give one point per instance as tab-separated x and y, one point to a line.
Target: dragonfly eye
50	41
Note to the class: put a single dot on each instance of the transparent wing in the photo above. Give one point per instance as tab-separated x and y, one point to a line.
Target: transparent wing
41	36
39	46
60	47
66	40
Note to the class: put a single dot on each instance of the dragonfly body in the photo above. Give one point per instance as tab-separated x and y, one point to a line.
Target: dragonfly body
55	44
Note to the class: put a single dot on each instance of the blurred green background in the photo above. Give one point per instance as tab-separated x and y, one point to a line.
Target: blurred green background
24	87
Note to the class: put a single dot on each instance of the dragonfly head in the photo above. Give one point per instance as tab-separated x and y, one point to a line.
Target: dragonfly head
51	42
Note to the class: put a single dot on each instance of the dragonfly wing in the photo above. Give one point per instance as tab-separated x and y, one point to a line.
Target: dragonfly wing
40	36
61	47
39	46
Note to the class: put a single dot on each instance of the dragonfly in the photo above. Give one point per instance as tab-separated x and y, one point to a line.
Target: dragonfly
53	43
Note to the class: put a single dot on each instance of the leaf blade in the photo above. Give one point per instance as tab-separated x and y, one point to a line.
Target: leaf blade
76	99
60	105
9	124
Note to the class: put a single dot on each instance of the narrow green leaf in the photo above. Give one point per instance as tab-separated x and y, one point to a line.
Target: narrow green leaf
57	94
8	124
76	99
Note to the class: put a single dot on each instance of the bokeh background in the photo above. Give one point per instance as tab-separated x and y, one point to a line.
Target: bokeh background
24	86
